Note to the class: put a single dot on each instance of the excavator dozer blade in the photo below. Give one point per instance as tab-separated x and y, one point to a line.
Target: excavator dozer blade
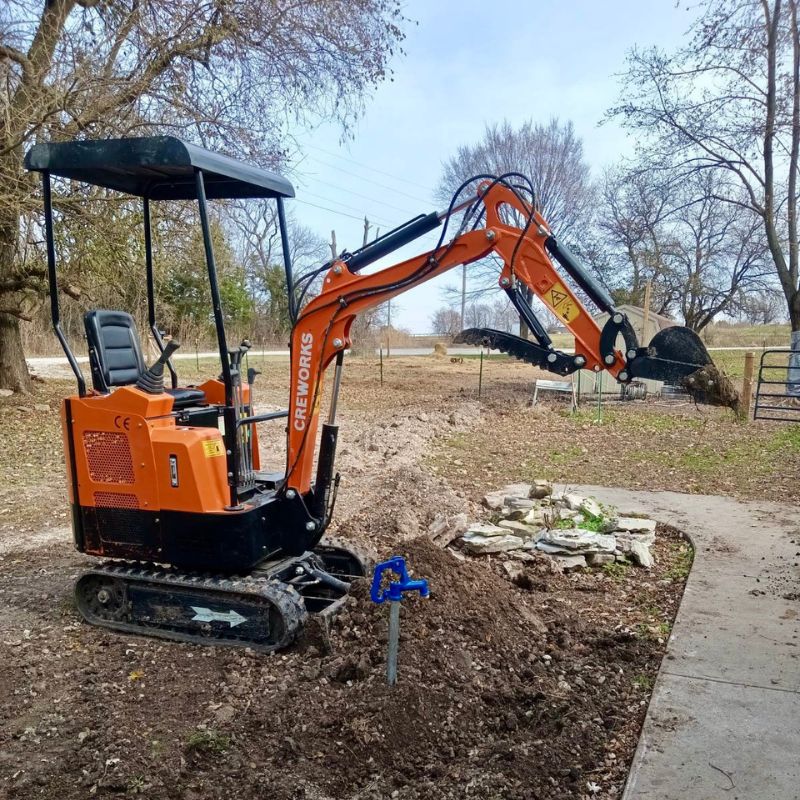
678	356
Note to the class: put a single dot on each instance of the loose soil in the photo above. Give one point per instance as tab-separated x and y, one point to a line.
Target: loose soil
533	689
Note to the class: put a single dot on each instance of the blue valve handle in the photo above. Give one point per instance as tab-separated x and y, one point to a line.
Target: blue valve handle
396	589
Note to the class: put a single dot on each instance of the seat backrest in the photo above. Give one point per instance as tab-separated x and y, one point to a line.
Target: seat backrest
115	352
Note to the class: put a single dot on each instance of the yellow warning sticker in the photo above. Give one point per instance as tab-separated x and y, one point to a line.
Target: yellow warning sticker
562	304
212	448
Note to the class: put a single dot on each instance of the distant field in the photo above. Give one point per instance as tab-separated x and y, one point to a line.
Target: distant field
755	336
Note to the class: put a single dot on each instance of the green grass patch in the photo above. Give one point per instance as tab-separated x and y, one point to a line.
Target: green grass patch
208	741
616	570
787	439
566	455
643	682
684	556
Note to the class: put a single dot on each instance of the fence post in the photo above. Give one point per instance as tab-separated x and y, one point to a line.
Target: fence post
747	384
480	376
381	356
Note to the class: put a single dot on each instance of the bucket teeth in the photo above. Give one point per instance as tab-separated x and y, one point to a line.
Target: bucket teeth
519	348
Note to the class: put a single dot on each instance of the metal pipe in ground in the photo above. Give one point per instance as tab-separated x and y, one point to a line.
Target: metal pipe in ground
394	642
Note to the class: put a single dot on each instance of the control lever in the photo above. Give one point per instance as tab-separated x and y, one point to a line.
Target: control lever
152	380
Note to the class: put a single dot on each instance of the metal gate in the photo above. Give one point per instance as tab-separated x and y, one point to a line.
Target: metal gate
778	392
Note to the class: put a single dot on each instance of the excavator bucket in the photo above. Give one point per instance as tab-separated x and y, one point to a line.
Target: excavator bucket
673	353
677	355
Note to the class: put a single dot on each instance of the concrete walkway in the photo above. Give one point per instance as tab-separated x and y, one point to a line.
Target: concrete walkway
724	719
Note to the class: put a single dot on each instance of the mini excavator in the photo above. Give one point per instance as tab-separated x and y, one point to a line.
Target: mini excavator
198	542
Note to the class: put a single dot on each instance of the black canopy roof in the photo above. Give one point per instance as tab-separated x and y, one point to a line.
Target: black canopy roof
156	167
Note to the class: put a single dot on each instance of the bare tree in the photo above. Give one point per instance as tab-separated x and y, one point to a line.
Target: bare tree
762	308
446	322
729	101
551	156
632	246
700	252
224	74
256	240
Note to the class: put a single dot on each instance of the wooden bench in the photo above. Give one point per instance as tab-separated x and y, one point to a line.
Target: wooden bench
561	387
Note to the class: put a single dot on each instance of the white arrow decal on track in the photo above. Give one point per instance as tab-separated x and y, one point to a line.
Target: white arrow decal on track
207	615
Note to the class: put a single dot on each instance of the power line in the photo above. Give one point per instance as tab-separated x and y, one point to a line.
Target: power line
380	220
332	210
362	196
371	169
368	180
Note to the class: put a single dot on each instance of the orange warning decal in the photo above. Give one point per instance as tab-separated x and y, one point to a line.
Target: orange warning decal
561	303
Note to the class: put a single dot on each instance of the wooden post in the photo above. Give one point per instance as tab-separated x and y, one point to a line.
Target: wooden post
648	289
381	356
480	376
747	384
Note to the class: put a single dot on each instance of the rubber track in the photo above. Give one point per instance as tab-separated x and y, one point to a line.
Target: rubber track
284	597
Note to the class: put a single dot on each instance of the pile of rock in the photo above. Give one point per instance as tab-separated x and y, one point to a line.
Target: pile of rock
574	530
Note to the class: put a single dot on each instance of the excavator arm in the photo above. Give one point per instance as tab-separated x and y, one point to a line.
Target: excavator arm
528	252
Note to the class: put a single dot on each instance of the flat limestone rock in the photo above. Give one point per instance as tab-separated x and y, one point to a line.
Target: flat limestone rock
625	540
598	559
574	501
496	500
519	503
591	507
641	554
578	539
568	563
521	490
521	555
540	490
519	528
534	517
481	545
636	524
484	529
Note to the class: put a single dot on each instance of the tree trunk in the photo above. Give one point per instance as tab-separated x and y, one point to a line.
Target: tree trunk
794	310
13	369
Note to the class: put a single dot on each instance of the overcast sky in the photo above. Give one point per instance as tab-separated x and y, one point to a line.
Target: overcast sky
467	64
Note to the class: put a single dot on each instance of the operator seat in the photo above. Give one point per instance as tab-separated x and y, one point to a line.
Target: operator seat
115	355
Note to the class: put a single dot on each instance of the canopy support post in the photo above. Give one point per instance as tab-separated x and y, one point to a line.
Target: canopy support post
53	281
229	412
151	292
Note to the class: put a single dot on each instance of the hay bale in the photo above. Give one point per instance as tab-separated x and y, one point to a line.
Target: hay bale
440	349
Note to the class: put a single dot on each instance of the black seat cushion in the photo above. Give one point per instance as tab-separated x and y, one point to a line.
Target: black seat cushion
187	396
115	355
115	352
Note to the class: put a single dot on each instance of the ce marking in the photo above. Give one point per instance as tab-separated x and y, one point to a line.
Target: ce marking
122	422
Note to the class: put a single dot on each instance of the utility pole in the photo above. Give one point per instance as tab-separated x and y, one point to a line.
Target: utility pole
333	244
648	288
366	231
463	295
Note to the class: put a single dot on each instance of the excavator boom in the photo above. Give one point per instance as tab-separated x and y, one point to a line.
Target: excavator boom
529	253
